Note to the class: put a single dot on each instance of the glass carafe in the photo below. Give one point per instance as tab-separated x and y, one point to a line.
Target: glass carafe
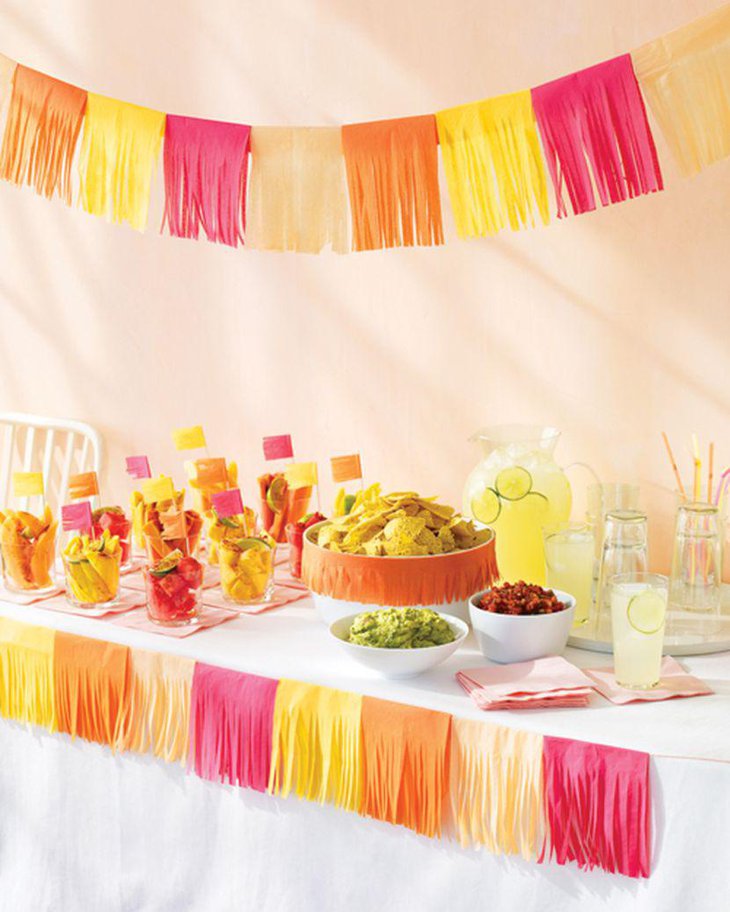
625	550
517	488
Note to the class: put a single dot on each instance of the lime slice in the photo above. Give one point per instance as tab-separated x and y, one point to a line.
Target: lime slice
349	502
513	483
228	522
167	564
276	495
246	544
486	506
646	611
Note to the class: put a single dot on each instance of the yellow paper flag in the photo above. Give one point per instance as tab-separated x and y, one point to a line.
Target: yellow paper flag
301	475
189	438
27	484
156	489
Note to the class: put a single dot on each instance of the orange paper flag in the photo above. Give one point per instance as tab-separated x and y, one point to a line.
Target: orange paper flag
91	685
392	175
43	126
210	472
346	468
85	484
405	764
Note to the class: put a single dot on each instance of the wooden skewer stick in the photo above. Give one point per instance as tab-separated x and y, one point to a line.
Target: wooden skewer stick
673	462
710	465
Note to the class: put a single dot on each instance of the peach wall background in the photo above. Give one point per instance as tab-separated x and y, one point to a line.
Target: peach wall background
612	326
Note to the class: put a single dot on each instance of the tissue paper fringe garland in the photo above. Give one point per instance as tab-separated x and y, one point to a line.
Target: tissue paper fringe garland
510	791
591	125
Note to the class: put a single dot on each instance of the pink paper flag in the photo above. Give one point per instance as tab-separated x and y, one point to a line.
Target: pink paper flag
206	169
76	517
227	503
597	116
138	467
231	722
278	447
597	806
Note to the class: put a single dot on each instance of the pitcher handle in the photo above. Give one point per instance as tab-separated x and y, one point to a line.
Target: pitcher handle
583	465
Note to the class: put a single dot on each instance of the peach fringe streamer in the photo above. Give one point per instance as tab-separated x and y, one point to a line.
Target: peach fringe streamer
392	174
685	76
155	717
496	787
91	683
119	151
297	197
493	164
7	69
43	126
26	673
316	744
400	581
405	764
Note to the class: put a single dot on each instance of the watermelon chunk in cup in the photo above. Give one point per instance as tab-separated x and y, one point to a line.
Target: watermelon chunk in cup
173	587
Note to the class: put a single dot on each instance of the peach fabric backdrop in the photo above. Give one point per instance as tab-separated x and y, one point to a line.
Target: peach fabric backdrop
612	326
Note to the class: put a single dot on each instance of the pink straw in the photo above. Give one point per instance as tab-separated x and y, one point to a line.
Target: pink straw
721	485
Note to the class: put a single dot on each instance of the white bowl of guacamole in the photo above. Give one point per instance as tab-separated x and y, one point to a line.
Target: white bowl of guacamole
399	642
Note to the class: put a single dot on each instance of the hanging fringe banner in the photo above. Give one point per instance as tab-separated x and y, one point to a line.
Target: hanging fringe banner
206	170
392	175
43	126
493	163
119	151
26	674
596	117
298	195
685	76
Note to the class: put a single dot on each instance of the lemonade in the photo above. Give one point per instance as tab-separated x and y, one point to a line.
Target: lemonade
638	611
569	554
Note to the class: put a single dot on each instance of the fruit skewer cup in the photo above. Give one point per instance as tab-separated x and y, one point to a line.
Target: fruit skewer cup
92	570
173	586
247	569
281	504
28	550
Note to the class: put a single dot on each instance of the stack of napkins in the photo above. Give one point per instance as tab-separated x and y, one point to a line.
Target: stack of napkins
548	682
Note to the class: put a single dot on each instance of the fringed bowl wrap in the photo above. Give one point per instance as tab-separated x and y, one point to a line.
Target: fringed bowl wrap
343	584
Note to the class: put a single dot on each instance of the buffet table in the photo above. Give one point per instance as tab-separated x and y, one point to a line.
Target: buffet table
82	828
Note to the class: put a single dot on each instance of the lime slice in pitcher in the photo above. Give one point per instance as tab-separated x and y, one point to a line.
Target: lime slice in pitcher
486	506
513	483
645	612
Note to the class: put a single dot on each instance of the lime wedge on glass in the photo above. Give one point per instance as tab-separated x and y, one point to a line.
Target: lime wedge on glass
246	544
513	483
276	495
486	506
646	611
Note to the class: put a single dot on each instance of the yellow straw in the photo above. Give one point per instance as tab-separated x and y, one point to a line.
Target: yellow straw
698	468
673	462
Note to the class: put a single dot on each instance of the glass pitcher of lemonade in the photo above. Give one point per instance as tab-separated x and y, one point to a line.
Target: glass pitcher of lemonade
517	489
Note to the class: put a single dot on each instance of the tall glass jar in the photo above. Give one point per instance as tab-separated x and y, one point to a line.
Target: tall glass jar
625	550
697	559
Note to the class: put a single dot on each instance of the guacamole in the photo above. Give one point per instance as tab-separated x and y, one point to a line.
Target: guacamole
401	628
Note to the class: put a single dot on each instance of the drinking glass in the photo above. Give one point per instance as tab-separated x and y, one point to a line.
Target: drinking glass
697	559
624	550
569	551
606	498
638	612
247	571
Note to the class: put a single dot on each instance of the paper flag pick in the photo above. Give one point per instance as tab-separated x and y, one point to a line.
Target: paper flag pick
85	484
155	490
27	484
43	126
301	475
189	438
346	468
138	467
26	682
278	447
76	517
227	503
210	472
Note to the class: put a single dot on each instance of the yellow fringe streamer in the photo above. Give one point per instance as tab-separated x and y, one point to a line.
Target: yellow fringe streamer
494	166
119	151
157	712
297	192
26	673
496	787
685	77
316	745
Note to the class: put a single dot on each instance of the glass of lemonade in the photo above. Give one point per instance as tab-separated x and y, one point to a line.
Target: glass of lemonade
569	559
638	612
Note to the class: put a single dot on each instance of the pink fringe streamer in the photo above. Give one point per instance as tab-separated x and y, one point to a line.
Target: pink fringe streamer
231	721
597	807
597	117
206	169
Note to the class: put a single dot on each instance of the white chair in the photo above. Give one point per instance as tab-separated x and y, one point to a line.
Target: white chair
58	447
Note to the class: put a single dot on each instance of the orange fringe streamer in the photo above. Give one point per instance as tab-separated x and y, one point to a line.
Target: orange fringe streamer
43	126
155	717
392	175
91	685
405	764
399	581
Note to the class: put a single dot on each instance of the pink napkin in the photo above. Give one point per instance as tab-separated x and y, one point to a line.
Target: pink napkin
27	598
542	683
128	599
209	617
674	682
283	595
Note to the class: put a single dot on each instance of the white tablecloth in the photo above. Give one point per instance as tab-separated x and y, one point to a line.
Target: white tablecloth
82	829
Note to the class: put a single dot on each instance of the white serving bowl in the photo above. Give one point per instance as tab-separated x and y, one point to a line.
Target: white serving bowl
506	638
398	663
